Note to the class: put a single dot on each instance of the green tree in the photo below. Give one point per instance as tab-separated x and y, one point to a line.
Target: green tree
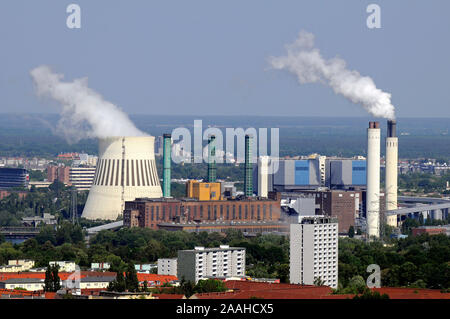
351	232
210	285
131	280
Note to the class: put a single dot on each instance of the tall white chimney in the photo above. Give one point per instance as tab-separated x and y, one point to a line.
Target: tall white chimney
263	176
373	180
391	171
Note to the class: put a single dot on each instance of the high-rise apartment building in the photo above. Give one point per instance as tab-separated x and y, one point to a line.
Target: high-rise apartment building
314	251
205	263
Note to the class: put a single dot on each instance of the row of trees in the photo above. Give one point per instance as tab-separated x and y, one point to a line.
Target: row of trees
421	261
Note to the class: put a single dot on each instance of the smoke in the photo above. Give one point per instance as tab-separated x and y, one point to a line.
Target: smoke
306	62
84	113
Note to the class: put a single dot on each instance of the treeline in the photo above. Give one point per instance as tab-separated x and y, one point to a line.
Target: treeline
420	262
424	182
55	200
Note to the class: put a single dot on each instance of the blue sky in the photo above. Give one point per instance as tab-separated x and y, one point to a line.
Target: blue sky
203	57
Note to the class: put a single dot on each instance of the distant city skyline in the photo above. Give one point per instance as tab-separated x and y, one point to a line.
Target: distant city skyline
212	58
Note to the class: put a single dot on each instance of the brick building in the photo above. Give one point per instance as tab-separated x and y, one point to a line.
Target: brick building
149	212
60	173
345	205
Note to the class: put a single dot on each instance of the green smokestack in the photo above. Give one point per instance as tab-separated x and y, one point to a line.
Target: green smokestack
248	183
167	145
211	159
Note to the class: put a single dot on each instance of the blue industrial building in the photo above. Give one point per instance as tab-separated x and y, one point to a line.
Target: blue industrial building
13	177
346	173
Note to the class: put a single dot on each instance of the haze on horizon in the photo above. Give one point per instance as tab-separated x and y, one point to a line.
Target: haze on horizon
211	58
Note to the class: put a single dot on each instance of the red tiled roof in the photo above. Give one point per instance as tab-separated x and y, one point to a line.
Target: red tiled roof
62	275
246	290
156	278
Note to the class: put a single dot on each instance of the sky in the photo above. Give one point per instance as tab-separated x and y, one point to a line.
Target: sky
203	57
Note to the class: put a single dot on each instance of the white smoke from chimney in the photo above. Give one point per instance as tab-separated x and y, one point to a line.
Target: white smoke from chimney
84	114
306	62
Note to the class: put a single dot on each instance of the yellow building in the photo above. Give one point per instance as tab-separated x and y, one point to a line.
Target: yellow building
203	190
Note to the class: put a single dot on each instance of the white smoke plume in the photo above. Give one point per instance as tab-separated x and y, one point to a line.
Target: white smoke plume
306	62
84	113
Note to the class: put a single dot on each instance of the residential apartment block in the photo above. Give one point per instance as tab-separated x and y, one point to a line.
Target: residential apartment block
314	251
167	266
205	263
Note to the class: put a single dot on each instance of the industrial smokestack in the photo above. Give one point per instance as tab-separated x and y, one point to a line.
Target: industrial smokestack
167	148
212	159
373	180
391	171
248	183
125	170
263	176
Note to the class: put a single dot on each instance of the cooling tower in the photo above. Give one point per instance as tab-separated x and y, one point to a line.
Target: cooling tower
126	170
373	180
391	171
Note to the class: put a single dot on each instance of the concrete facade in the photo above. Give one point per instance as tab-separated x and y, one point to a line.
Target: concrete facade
314	251
202	263
126	170
167	266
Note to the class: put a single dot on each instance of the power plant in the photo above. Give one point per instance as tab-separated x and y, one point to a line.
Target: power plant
126	170
391	171
373	180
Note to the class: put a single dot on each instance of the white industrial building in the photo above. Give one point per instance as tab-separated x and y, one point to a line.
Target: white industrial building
167	266
204	263
126	170
314	251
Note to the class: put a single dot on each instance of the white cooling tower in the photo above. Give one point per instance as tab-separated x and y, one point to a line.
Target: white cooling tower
126	170
373	180
391	171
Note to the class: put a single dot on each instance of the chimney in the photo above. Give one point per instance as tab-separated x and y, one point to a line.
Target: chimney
211	159
167	146
391	171
248	183
373	180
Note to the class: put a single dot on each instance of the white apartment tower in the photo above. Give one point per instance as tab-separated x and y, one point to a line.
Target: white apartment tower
314	251
205	263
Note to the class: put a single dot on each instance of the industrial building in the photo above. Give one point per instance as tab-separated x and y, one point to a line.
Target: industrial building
203	263
149	212
310	172
126	170
248	228
314	251
347	206
346	173
81	177
297	174
13	177
203	190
